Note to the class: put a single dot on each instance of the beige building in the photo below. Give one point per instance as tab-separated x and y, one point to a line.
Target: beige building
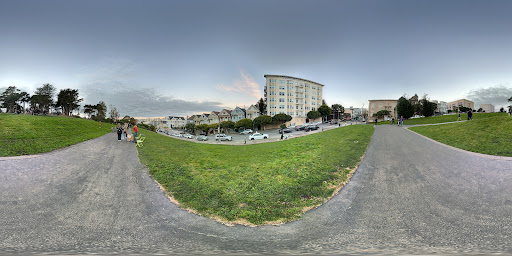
293	96
454	105
252	112
487	108
378	105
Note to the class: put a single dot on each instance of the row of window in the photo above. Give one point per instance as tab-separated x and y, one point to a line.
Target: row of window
283	87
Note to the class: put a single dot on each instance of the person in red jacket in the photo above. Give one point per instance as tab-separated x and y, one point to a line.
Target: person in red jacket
135	130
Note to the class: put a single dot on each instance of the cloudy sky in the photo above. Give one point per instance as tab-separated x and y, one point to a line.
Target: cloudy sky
158	58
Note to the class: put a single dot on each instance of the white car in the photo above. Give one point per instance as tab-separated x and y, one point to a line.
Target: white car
258	136
188	136
248	131
223	137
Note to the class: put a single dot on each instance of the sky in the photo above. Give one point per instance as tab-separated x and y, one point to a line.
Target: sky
177	58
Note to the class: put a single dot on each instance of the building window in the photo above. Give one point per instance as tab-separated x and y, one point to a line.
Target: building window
281	106
281	81
281	100
281	93
282	87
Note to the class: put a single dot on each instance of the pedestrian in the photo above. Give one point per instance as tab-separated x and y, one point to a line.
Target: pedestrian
135	130
393	120
282	134
470	115
119	132
459	119
401	120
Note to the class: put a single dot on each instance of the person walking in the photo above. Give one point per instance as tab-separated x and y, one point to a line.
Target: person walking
119	132
459	119
470	115
401	120
135	130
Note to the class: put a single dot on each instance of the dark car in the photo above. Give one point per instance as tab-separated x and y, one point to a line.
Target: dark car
288	129
299	127
311	128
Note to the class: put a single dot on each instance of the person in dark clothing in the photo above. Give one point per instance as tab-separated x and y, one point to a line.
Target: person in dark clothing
119	132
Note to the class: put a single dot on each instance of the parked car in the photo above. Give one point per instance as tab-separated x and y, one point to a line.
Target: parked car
299	127
311	128
245	132
202	138
258	136
222	137
288	129
188	136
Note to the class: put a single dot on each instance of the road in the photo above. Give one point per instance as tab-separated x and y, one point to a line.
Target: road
409	195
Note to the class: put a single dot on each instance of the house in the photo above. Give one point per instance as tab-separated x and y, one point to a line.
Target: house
237	114
225	115
378	105
214	117
252	112
204	118
454	105
197	119
177	122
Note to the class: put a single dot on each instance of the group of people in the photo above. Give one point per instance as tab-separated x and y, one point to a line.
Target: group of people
470	116
399	122
124	135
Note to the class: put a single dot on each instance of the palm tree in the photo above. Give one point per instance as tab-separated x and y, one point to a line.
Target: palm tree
337	108
24	97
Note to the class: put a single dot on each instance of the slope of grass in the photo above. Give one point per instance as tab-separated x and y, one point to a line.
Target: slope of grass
27	134
262	183
492	136
446	118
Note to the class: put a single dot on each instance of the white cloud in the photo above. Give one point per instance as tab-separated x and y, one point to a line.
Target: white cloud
497	95
247	86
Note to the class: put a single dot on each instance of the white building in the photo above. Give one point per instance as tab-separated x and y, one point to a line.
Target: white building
487	108
293	96
441	108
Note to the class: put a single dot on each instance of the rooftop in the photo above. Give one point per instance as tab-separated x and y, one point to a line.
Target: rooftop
291	77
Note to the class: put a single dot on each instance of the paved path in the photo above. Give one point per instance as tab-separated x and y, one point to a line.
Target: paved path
409	195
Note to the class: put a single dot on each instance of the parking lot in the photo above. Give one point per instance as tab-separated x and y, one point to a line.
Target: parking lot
273	135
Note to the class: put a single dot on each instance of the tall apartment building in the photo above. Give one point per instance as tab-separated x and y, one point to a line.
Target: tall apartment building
293	96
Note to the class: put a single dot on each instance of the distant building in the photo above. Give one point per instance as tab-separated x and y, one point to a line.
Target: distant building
225	115
414	99
454	105
378	105
293	96
252	112
214	117
441	107
237	114
356	113
487	108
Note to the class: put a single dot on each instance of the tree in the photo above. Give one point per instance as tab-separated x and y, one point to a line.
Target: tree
464	109
313	114
25	98
261	121
113	114
89	110
43	97
337	108
201	127
404	108
261	106
226	125
68	100
427	108
10	98
101	109
381	113
479	110
281	118
325	110
244	123
190	127
502	110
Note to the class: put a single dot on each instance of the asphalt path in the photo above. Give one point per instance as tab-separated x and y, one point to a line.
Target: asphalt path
408	196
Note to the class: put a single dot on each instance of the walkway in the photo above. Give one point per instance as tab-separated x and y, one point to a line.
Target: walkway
409	195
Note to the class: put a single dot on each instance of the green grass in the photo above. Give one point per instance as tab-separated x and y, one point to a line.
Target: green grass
27	134
492	136
445	118
261	183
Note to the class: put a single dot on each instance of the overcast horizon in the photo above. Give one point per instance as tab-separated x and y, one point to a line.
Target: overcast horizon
177	58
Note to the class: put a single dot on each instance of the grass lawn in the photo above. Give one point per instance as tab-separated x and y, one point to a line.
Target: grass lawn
446	118
257	184
27	134
492	136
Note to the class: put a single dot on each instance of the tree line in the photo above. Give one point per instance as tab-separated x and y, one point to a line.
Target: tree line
43	101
